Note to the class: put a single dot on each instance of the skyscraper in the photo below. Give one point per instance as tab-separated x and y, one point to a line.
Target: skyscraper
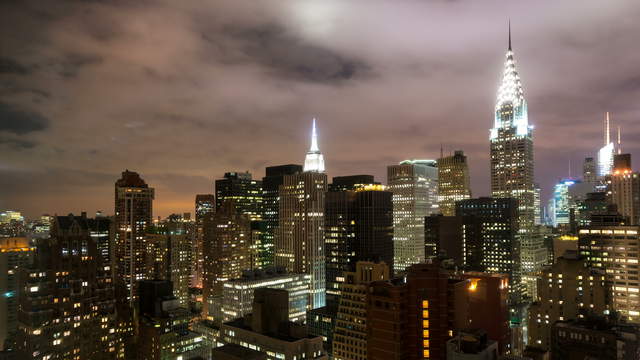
453	182
623	188
245	192
414	187
67	301
606	153
226	253
274	177
299	242
205	206
133	213
589	172
358	227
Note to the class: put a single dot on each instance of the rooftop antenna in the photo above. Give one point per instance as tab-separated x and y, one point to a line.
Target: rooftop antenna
509	34
607	138
441	151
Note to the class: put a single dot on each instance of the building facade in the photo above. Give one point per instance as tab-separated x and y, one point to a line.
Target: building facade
414	184
453	182
133	214
67	299
205	206
623	188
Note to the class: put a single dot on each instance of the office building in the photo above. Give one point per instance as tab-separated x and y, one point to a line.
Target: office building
15	253
237	294
623	188
170	259
567	290
589	171
414	184
102	230
205	206
299	242
607	152
490	238
133	214
350	334
321	322
274	177
66	298
269	331
358	227
443	235
164	325
613	246
453	182
472	345
595	338
594	203
226	254
245	192
537	205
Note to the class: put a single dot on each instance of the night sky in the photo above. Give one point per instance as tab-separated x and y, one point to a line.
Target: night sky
183	91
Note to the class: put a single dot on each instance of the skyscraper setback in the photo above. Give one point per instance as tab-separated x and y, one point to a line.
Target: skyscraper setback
133	213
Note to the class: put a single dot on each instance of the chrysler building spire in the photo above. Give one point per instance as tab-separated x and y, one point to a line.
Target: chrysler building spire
314	160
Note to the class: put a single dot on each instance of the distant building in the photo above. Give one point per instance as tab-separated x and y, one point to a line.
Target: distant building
314	161
237	294
269	331
350	334
133	214
205	206
613	246
322	322
594	203
15	253
606	153
453	182
245	192
170	258
589	171
66	297
414	184
594	338
271	205
567	290
164	325
358	227
623	188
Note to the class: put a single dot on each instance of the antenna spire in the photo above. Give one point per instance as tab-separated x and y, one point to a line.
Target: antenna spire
509	34
607	137
619	142
314	137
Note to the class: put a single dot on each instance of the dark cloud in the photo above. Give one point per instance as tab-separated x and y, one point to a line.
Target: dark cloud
71	64
288	56
15	120
17	144
10	66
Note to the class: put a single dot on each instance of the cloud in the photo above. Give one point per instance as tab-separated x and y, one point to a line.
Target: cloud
10	66
17	144
15	120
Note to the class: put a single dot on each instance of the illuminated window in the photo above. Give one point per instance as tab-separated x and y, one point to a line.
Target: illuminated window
425	352
425	333
425	314
425	324
425	343
425	304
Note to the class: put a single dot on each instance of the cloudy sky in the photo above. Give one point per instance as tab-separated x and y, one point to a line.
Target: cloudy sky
182	91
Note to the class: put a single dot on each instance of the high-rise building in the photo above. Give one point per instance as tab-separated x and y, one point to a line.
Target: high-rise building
443	235
226	254
15	253
205	206
164	325
490	238
66	297
101	229
537	203
453	182
170	258
414	184
269	330
613	246
593	203
245	192
350	334
567	290
299	242
595	338
237	294
511	157
589	171
358	227
274	177
133	214
623	188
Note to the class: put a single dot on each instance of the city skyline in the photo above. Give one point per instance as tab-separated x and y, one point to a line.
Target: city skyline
180	129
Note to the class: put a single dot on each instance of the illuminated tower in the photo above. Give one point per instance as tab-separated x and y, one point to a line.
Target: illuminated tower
299	240
314	161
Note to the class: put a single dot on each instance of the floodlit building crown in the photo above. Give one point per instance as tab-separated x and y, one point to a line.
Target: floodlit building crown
314	161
